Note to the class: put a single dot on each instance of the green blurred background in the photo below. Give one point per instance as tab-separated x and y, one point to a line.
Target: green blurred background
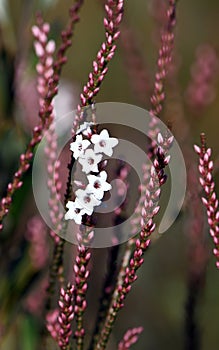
157	301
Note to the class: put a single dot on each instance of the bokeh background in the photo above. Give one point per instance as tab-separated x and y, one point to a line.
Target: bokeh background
159	297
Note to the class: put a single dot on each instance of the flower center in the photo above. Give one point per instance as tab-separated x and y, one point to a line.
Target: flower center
80	147
87	199
97	184
77	211
102	143
90	161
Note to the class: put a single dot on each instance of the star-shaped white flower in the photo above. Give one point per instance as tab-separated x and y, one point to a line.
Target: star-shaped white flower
89	161
103	143
75	211
78	146
87	201
98	185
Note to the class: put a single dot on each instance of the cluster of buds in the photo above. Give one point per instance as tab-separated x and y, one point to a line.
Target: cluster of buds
44	50
162	159
163	63
164	59
122	188
88	149
154	178
210	200
136	261
66	316
59	320
54	184
52	324
130	338
114	14
17	183
114	11
35	300
81	277
204	73
138	73
37	236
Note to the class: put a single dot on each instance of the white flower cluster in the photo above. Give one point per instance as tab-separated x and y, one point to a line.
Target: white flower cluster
89	152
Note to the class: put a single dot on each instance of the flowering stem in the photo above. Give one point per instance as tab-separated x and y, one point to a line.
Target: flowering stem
81	277
132	260
55	269
56	266
130	338
164	60
112	262
114	13
123	287
138	73
210	200
107	291
66	316
44	114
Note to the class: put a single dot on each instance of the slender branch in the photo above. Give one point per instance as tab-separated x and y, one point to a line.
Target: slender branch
114	13
112	261
129	266
81	277
44	115
210	200
133	260
163	63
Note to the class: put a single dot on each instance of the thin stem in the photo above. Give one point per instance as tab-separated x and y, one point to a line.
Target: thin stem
193	333
44	114
210	200
81	277
163	63
107	292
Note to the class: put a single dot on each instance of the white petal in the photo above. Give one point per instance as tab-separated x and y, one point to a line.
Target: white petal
104	135
84	126
103	175
92	179
106	150
78	219
86	143
107	186
113	141
95	138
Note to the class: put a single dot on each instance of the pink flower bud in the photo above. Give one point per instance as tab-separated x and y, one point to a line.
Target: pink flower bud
38	49
36	31
50	47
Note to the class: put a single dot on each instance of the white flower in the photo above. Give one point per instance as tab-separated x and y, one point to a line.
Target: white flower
87	132
75	211
87	201
89	161
78	146
84	127
103	143
98	185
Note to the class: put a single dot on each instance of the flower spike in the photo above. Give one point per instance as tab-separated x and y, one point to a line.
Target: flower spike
210	200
